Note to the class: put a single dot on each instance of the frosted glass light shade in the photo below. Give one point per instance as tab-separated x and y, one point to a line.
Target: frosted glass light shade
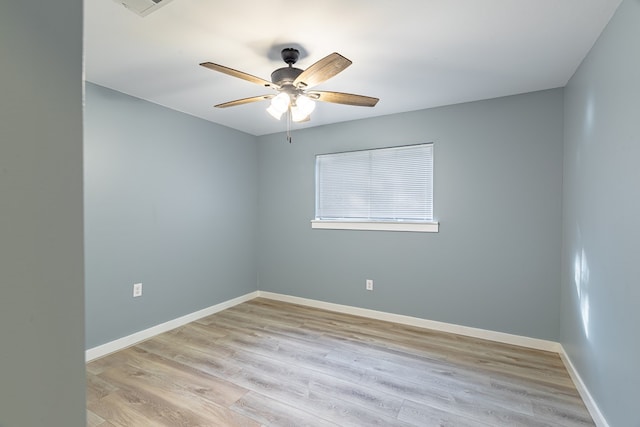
274	112
279	105
303	108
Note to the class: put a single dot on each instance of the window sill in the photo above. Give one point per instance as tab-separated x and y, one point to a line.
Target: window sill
423	227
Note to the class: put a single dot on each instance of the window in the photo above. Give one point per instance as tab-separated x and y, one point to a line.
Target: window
380	189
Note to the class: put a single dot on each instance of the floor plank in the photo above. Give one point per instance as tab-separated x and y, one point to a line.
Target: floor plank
271	363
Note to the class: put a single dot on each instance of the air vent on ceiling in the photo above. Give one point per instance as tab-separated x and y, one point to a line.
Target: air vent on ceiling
143	7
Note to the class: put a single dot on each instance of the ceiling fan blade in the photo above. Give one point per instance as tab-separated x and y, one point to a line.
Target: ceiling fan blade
238	74
322	70
244	101
343	98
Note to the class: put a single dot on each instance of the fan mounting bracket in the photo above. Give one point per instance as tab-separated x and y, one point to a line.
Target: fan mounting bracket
290	55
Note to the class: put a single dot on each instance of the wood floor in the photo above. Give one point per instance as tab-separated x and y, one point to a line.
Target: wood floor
268	363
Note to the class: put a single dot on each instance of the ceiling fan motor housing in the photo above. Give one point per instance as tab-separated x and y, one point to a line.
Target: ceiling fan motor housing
285	75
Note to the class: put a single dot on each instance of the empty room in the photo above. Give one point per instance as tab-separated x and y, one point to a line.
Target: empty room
347	213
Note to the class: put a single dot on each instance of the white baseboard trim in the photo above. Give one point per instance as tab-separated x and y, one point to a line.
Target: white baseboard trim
129	340
589	401
421	323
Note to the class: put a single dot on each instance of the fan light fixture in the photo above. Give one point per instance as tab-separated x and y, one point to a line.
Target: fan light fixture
279	105
300	107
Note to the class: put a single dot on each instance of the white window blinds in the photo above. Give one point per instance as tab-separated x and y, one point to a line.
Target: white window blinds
388	184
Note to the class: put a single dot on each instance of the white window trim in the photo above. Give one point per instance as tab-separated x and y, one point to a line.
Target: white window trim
421	226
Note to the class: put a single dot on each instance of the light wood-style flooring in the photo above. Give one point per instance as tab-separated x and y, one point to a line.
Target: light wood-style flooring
269	363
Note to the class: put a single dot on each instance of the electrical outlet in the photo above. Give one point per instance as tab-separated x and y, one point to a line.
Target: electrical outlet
369	285
137	289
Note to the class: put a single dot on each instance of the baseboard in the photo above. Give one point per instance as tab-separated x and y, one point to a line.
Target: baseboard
589	401
129	340
421	323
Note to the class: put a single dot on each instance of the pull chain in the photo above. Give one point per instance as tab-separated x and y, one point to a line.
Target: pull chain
289	125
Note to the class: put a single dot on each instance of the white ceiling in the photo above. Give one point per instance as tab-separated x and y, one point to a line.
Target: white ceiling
412	54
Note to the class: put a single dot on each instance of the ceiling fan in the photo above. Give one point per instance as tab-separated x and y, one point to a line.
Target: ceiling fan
292	86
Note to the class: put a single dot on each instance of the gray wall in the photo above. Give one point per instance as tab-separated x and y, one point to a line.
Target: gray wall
42	376
495	264
170	201
600	288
